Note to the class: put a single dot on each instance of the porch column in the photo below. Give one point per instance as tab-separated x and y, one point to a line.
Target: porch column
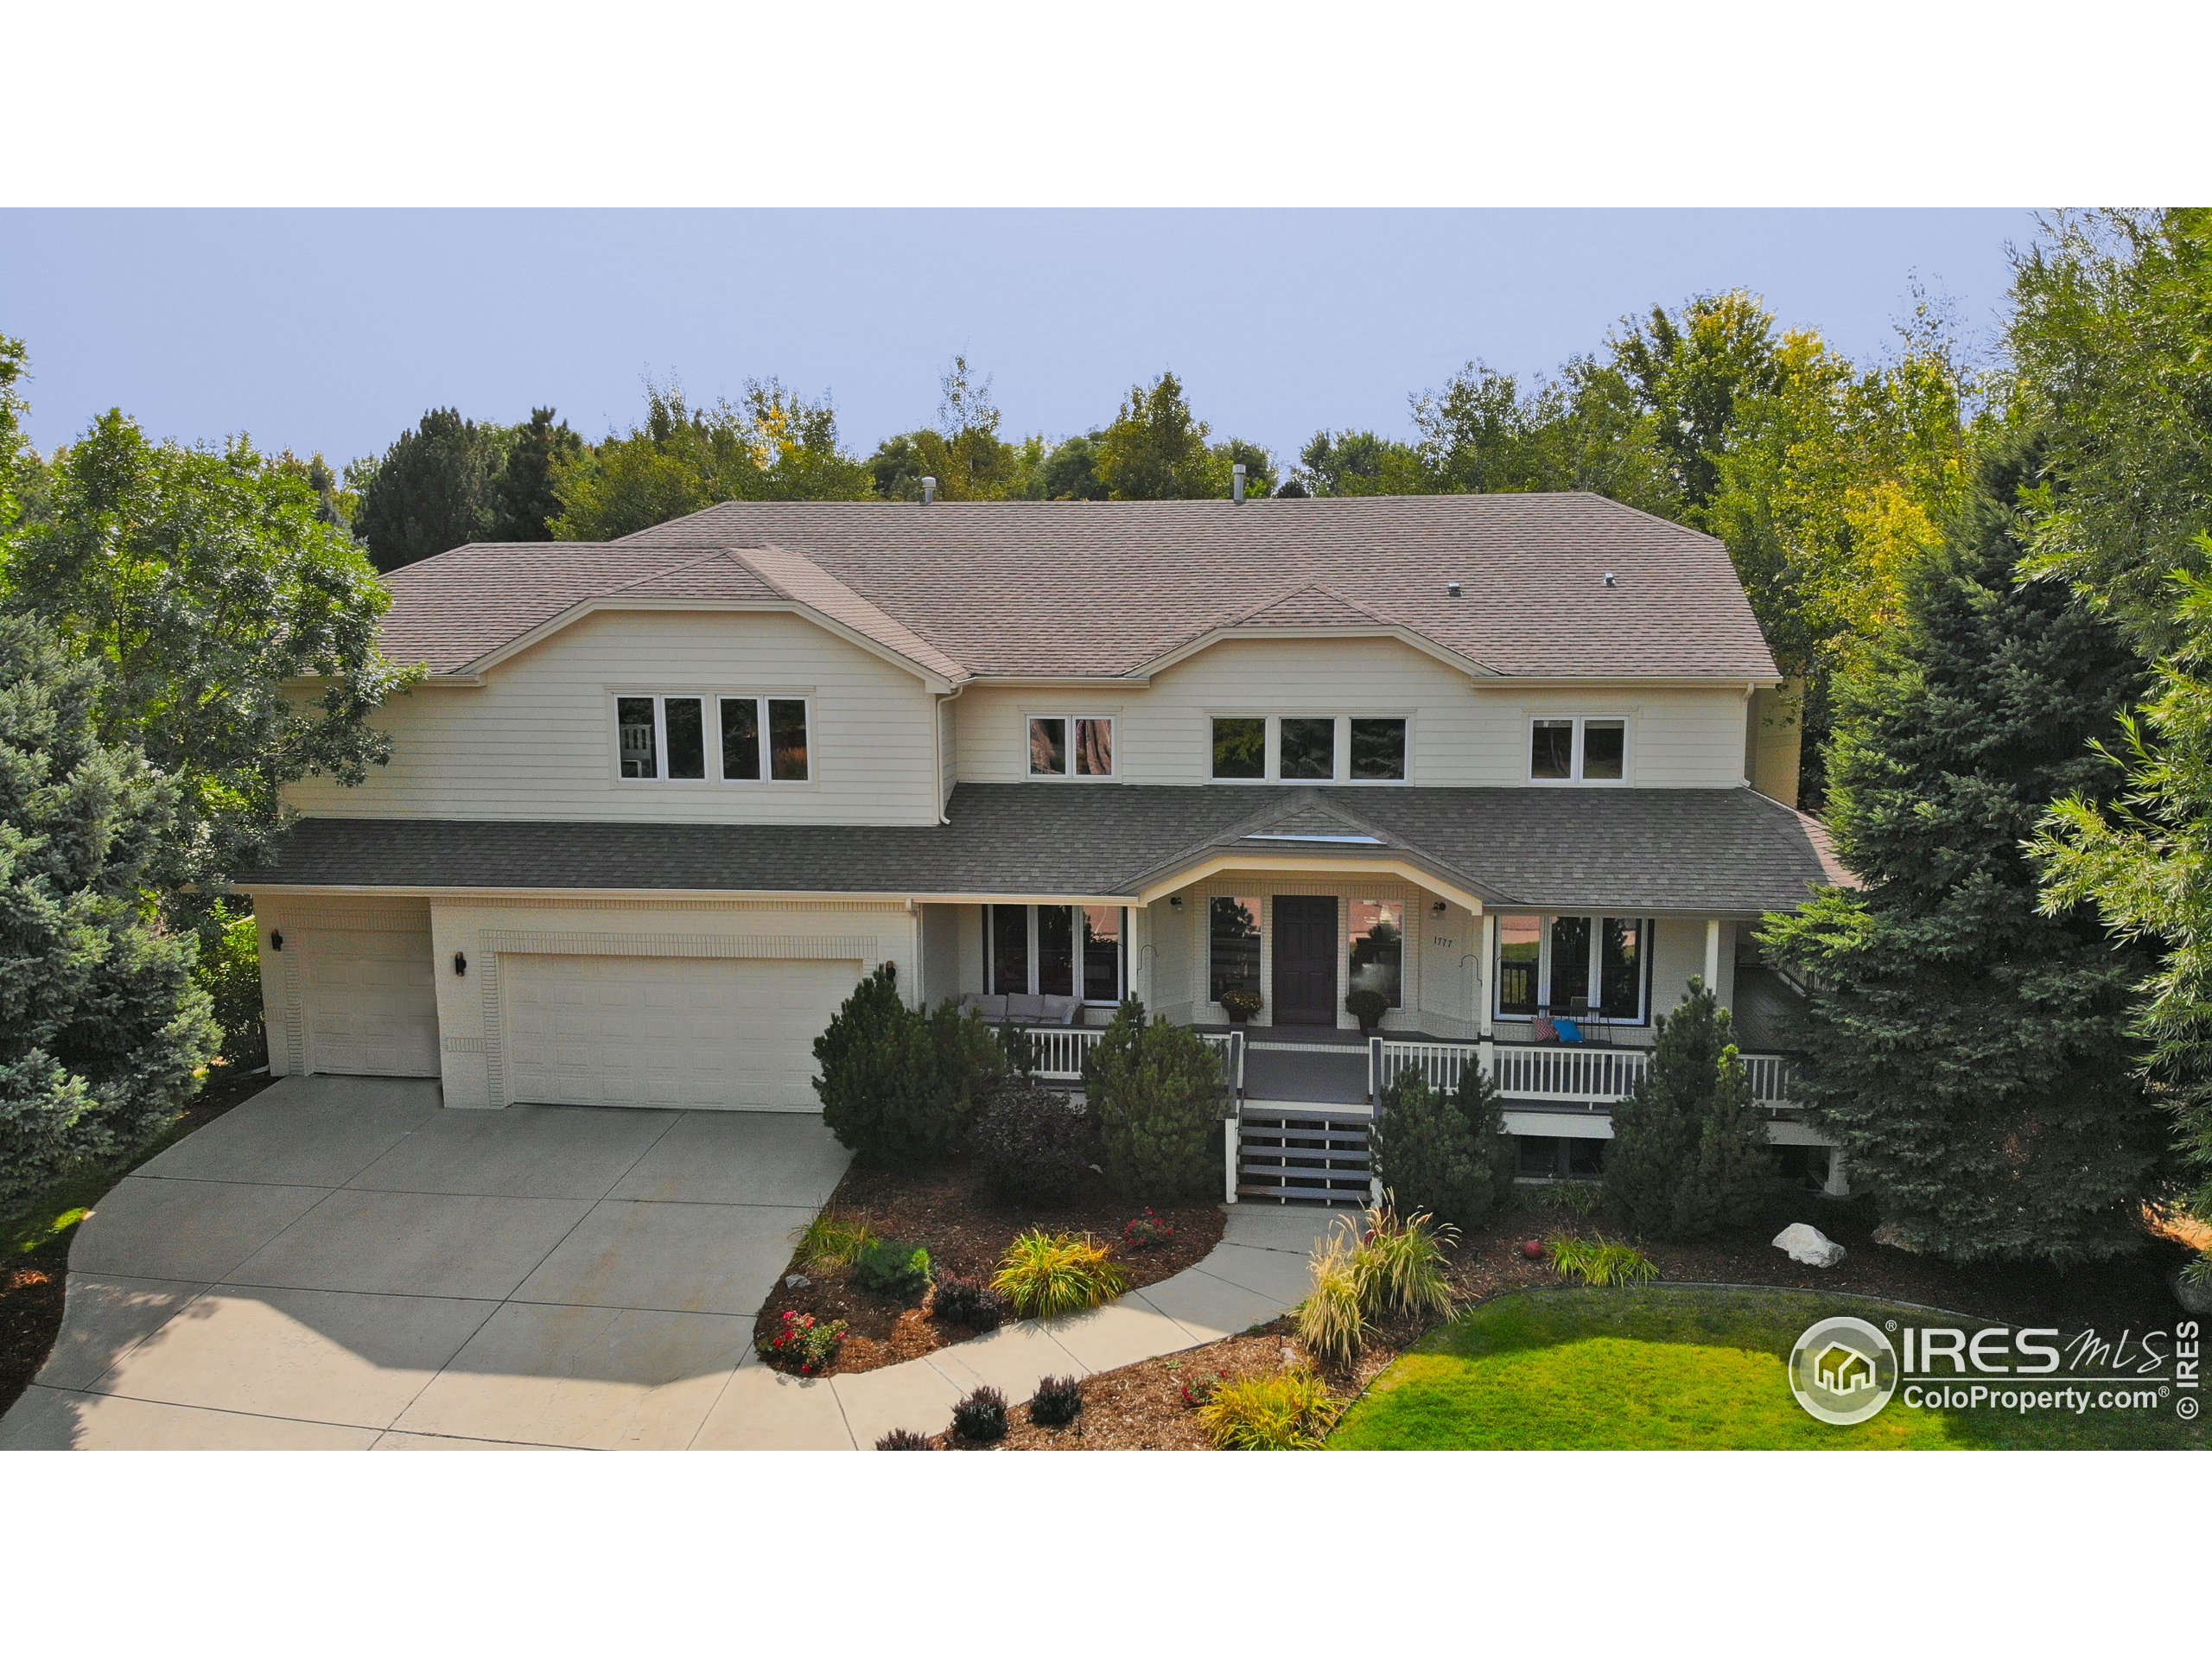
1482	998
1713	956
1837	1185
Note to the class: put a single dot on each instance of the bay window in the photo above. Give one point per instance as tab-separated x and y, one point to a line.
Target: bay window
1057	950
1583	967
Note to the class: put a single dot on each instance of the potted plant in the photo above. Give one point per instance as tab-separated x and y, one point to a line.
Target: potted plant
1368	1007
1240	1005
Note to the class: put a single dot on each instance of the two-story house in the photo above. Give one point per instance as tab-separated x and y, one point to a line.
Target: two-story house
1509	760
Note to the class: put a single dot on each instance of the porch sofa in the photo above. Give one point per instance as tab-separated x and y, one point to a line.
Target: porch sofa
1025	1010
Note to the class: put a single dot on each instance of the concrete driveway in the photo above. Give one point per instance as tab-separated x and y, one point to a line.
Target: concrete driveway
339	1262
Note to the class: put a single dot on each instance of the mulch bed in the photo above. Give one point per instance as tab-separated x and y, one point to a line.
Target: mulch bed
966	1231
32	1282
1145	1407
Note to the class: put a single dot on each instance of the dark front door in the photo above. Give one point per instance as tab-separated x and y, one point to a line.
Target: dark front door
1306	961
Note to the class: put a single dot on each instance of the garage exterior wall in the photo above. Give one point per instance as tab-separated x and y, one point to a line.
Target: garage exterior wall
335	936
472	1016
536	740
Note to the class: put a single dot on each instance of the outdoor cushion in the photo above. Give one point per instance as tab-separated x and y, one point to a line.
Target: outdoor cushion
994	1008
1542	1030
1569	1031
1061	1010
1024	1007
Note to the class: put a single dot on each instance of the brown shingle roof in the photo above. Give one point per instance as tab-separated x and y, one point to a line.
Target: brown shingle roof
1105	588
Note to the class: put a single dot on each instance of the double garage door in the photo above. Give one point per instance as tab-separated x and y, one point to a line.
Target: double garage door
696	1033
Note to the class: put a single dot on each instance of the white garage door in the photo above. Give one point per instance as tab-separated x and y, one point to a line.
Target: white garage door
668	1031
369	1002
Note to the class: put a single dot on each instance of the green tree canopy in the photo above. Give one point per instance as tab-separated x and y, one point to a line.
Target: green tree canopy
524	504
208	583
773	445
1156	450
1689	1153
436	488
1970	1054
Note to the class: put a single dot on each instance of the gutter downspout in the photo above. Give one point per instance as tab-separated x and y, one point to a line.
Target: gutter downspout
936	736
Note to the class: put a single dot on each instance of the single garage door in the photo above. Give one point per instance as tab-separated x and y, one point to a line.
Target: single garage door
668	1031
370	1001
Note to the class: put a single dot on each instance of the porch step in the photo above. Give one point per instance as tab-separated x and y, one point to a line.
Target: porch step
1302	1155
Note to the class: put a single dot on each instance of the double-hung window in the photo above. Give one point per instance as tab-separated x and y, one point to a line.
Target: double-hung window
665	738
1070	745
1578	748
1584	967
1308	748
1057	950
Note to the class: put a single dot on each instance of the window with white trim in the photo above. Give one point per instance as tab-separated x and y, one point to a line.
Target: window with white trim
1057	950
755	739
1579	967
1578	748
1070	745
1309	748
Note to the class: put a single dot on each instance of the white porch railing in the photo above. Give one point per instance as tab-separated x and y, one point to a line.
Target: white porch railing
1595	1076
1061	1050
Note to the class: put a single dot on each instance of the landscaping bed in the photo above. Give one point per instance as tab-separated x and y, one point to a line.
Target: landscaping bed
948	1212
1151	1405
34	1239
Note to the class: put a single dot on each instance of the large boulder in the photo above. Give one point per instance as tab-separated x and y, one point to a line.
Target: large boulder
1809	1245
2194	1295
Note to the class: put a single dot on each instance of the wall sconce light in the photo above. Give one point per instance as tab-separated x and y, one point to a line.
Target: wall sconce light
1437	908
460	963
275	939
1175	902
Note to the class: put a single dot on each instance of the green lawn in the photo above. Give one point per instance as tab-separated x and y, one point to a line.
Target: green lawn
1664	1366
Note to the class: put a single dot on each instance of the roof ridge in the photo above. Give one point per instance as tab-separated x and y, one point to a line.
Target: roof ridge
863	614
720	555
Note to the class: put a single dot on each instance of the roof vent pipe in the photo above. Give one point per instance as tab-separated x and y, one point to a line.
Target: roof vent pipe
1453	588
928	489
1609	578
1237	482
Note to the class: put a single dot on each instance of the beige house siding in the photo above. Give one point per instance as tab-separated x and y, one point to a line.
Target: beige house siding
537	739
1462	732
349	990
943	927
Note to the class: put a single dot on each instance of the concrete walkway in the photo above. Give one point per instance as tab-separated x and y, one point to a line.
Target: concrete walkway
1255	1274
340	1264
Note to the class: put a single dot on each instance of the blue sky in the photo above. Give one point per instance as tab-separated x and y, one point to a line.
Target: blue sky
332	330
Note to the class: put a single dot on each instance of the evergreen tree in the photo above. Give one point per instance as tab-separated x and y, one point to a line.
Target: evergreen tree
879	1086
101	1028
435	488
523	501
1735	1171
1970	1054
1158	1097
1683	1103
1484	1108
1438	1151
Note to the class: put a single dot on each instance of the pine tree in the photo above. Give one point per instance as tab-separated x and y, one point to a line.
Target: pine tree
1970	1055
523	501
1441	1151
1661	1130
1735	1170
1157	1093
879	1086
101	1028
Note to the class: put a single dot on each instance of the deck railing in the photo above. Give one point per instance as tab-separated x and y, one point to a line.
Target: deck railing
1591	1077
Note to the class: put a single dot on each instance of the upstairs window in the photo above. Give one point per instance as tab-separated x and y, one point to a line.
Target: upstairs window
1578	748
1576	967
1308	749
1070	745
664	739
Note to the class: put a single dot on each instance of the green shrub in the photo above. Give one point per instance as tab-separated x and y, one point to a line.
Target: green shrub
1398	1266
1285	1411
1599	1261
1331	1321
832	1240
1577	1198
229	971
1426	1154
890	1268
1158	1096
1689	1153
1044	1273
879	1084
1035	1143
804	1343
971	1060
